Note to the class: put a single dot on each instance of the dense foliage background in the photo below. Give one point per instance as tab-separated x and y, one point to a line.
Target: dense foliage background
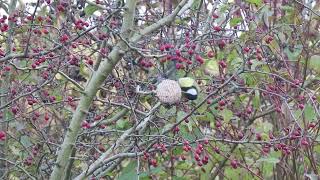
77	81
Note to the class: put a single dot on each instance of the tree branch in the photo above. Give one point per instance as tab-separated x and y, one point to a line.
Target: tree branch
91	89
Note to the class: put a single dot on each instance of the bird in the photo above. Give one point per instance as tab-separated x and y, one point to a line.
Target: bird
189	88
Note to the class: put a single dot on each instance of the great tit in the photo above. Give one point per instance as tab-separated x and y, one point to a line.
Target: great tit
189	88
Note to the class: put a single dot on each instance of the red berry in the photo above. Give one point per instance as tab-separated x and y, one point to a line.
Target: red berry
271	135
311	125
7	68
269	39
246	49
199	59
45	31
162	48
176	129
209	101
198	151
185	148
222	64
153	162
60	8
29	18
197	157
258	137
215	16
221	103
179	66
258	50
304	142
216	150
2	135
46	117
97	118
234	164
168	46
217	28
210	54
40	18
240	135
101	148
90	62
278	109
14	110
218	124
52	99
266	150
301	106
64	38
178	52
259	57
85	125
249	110
221	44
205	159
13	92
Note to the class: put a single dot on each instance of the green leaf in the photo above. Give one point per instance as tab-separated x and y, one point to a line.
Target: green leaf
25	141
186	82
201	118
227	115
287	8
267	126
256	100
177	151
129	172
15	150
211	68
184	165
263	127
256	2
233	55
250	79
180	178
185	132
152	171
294	53
17	125
312	176
195	5
121	124
235	21
315	63
272	160
181	115
210	117
233	174
90	9
309	113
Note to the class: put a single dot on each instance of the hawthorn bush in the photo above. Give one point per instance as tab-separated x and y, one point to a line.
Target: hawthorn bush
77	83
